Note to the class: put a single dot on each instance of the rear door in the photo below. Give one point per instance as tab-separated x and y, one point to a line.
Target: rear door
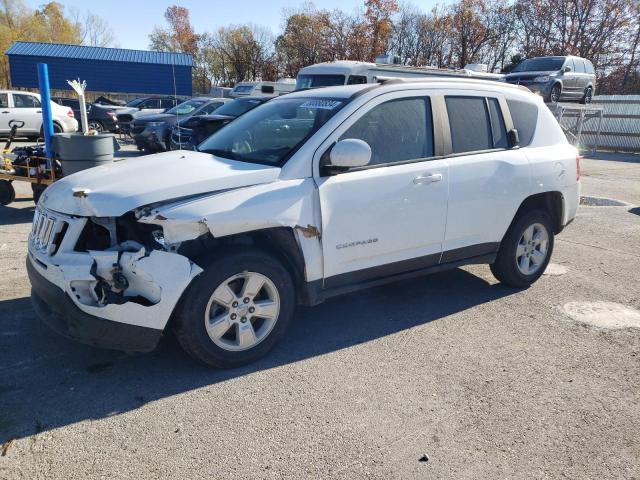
487	180
582	79
26	108
388	217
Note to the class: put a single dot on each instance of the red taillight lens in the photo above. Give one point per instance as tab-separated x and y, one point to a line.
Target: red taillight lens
70	113
578	158
111	113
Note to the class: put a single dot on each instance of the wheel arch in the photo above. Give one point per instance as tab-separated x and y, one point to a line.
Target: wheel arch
279	242
551	202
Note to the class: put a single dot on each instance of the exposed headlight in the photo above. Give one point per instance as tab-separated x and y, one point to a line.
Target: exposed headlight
541	79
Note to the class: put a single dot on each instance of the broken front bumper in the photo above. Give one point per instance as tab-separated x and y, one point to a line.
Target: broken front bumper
56	310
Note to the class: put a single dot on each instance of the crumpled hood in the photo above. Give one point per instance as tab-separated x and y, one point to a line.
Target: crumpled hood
114	189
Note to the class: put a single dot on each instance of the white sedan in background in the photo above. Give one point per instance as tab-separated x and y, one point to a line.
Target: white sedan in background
26	107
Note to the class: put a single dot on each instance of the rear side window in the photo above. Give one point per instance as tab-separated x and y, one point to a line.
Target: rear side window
396	131
525	117
589	67
356	80
469	124
4	100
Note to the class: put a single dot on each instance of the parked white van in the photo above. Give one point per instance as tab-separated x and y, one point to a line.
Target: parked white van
348	72
26	107
263	89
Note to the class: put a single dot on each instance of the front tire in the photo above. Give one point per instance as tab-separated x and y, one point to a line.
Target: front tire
236	310
525	250
555	93
37	189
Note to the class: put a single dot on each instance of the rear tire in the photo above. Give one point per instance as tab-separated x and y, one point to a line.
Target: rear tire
525	250
7	192
96	125
218	319
587	97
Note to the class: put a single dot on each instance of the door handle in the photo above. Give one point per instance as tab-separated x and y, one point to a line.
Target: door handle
431	178
6	111
38	111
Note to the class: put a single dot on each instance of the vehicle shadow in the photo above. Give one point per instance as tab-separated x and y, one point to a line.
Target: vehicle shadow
11	215
635	210
48	382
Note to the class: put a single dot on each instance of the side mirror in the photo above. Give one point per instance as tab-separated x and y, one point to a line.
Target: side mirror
566	69
350	153
267	89
513	139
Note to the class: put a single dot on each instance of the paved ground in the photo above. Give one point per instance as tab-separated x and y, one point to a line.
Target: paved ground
486	381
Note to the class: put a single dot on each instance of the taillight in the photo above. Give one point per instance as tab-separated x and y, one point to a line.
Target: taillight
70	113
578	158
111	113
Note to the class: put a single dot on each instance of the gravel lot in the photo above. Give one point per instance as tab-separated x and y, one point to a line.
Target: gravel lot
482	380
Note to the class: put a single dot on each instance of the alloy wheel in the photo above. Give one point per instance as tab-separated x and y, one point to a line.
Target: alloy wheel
242	311
532	249
555	94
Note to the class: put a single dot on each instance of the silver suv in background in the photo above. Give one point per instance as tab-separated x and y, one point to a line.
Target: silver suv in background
556	78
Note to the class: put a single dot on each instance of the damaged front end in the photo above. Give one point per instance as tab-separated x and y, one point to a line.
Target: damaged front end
115	269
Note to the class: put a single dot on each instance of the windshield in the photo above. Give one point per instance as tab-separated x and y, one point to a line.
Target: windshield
271	133
314	81
185	108
135	102
237	107
543	64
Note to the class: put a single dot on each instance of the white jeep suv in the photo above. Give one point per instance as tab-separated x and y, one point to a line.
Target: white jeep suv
310	195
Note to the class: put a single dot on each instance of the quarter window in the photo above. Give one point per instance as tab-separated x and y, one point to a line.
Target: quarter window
469	124
525	117
4	100
579	65
396	131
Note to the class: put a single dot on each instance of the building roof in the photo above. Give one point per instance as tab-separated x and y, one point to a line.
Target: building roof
80	52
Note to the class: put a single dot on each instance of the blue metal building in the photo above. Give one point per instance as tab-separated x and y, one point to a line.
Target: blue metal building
106	70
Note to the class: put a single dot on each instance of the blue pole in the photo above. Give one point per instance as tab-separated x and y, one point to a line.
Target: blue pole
47	118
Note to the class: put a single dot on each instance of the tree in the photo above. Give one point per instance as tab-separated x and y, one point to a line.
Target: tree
378	15
179	36
49	23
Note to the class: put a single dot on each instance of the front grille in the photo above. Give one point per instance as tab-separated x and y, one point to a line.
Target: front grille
125	117
47	231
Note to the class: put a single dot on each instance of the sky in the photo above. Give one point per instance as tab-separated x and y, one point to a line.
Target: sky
132	21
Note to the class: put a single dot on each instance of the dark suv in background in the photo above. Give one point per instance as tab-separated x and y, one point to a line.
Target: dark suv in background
556	78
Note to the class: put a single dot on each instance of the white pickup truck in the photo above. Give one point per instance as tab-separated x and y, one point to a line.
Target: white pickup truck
310	195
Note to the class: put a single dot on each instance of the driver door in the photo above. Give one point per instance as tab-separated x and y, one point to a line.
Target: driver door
4	112
388	217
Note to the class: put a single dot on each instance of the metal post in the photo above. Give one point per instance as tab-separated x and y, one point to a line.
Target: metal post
47	118
580	124
595	145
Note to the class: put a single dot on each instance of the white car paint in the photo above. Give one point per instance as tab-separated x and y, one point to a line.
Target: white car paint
32	116
395	213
